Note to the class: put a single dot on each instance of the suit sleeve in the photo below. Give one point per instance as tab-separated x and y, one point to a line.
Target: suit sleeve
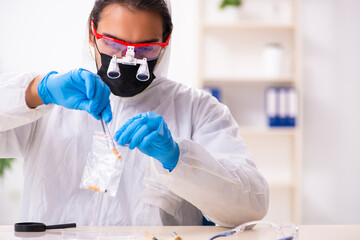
17	120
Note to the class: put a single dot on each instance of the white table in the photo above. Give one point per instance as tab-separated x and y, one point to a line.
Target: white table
306	232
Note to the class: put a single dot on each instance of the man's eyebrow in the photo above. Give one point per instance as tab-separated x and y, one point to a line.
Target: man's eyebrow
154	40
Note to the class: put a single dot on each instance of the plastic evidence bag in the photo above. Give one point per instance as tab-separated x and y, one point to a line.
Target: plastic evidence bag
103	168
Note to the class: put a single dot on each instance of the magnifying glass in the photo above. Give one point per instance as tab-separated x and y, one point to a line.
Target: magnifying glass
39	227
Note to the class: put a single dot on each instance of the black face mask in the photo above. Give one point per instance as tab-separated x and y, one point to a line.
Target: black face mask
126	85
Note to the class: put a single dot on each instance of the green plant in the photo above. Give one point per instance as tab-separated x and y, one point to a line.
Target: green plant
234	3
4	164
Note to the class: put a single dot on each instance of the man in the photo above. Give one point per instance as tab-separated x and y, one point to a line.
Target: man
185	158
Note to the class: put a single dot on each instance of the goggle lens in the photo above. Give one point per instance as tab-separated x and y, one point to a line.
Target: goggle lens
149	52
111	48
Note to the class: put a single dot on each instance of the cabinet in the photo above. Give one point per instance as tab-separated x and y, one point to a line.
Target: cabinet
231	59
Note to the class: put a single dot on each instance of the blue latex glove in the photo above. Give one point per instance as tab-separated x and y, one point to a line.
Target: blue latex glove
150	134
78	89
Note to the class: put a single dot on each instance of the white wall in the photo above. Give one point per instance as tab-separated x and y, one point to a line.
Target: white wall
332	111
183	62
41	35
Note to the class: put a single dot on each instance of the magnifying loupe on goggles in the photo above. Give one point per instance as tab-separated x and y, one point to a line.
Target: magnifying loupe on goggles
129	54
142	74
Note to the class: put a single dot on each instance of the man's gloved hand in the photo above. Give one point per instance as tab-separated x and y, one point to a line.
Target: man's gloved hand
150	134
77	89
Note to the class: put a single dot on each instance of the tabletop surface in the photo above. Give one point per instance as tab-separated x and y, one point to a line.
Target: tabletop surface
306	232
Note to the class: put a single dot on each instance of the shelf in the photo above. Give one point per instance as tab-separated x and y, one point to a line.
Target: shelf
287	80
280	185
268	131
248	26
231	60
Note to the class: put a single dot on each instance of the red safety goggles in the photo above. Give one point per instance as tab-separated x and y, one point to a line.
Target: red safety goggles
112	46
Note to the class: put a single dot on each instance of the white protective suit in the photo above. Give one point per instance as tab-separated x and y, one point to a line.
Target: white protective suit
215	176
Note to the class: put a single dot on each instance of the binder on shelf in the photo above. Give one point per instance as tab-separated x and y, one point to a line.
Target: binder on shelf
281	106
292	107
271	100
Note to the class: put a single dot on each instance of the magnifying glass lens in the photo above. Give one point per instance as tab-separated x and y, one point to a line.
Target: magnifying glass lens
30	227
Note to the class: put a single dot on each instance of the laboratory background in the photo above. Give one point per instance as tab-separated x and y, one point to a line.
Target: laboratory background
287	69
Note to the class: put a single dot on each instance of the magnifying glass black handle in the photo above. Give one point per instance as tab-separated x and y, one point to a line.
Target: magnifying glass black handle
59	226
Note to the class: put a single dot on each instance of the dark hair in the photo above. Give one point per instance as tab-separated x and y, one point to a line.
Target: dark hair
158	6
